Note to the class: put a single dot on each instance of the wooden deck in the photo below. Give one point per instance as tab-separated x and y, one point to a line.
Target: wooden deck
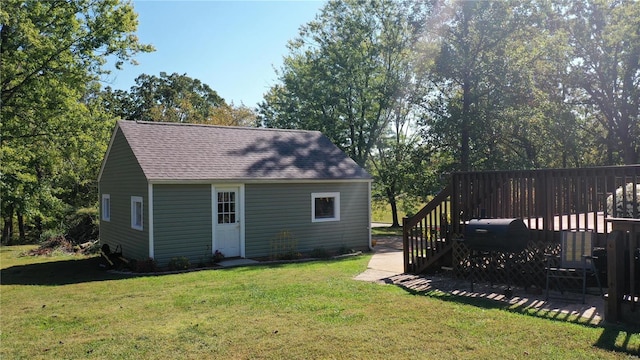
548	201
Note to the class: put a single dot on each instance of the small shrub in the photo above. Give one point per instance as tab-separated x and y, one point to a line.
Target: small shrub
179	263
284	246
320	253
217	257
82	225
50	234
345	250
143	266
291	255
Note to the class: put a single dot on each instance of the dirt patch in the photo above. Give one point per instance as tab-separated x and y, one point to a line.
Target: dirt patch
392	242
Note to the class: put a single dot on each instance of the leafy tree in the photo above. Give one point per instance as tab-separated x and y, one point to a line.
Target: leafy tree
503	99
469	69
52	52
605	72
353	74
342	74
174	98
232	115
398	157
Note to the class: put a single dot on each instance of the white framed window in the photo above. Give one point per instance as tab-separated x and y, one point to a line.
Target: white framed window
325	206
106	207
137	212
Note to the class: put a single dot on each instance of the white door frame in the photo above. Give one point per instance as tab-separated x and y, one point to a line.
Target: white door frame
240	213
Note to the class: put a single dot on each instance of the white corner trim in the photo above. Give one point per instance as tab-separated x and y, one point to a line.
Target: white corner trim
150	225
242	222
370	216
106	154
214	209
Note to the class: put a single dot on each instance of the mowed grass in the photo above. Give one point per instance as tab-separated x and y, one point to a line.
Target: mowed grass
65	308
381	211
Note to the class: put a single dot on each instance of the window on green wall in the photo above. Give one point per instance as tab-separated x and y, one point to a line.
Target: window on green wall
325	207
137	211
106	207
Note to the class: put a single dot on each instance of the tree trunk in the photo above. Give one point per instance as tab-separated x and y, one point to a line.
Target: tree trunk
465	128
7	229
21	226
394	207
38	221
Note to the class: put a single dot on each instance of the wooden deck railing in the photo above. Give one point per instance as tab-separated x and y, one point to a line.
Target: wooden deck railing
548	200
623	275
427	235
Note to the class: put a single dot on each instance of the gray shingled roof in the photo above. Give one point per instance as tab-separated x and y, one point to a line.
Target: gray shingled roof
169	151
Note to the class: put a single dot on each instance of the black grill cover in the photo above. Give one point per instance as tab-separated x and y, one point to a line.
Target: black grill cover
506	235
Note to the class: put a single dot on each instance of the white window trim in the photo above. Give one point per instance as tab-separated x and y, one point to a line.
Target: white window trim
106	207
134	200
336	196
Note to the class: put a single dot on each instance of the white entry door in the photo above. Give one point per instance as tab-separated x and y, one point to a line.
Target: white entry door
227	218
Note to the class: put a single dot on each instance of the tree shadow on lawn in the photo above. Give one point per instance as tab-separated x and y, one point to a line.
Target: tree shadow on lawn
63	272
624	338
84	270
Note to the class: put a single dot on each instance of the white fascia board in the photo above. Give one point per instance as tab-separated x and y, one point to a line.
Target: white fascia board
254	181
106	155
150	225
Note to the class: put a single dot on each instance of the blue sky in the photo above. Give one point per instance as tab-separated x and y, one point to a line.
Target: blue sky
232	46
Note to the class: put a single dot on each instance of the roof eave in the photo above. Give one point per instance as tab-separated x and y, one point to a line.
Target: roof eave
252	181
106	155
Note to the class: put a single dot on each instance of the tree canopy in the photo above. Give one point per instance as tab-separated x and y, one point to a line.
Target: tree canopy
516	84
174	98
343	73
411	90
52	53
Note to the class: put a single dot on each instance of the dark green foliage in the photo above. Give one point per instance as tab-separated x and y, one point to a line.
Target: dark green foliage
344	73
319	253
345	250
217	257
143	266
53	134
167	98
179	263
83	225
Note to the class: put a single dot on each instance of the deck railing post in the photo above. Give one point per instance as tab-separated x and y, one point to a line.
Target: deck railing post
621	272
405	243
615	276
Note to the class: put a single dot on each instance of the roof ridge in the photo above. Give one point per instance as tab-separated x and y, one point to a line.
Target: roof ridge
218	126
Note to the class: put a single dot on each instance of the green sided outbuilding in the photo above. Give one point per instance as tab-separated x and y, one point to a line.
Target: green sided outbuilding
179	190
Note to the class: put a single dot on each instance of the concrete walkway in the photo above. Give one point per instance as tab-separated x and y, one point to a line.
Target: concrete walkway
387	267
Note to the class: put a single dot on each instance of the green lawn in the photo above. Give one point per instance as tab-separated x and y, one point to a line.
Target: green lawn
64	308
381	212
386	231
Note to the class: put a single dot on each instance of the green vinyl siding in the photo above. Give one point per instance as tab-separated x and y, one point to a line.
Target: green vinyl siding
123	178
272	209
182	222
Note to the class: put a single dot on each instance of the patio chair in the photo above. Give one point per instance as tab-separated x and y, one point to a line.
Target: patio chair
574	262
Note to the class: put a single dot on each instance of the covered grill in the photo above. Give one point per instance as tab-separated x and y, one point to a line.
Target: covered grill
502	235
488	237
